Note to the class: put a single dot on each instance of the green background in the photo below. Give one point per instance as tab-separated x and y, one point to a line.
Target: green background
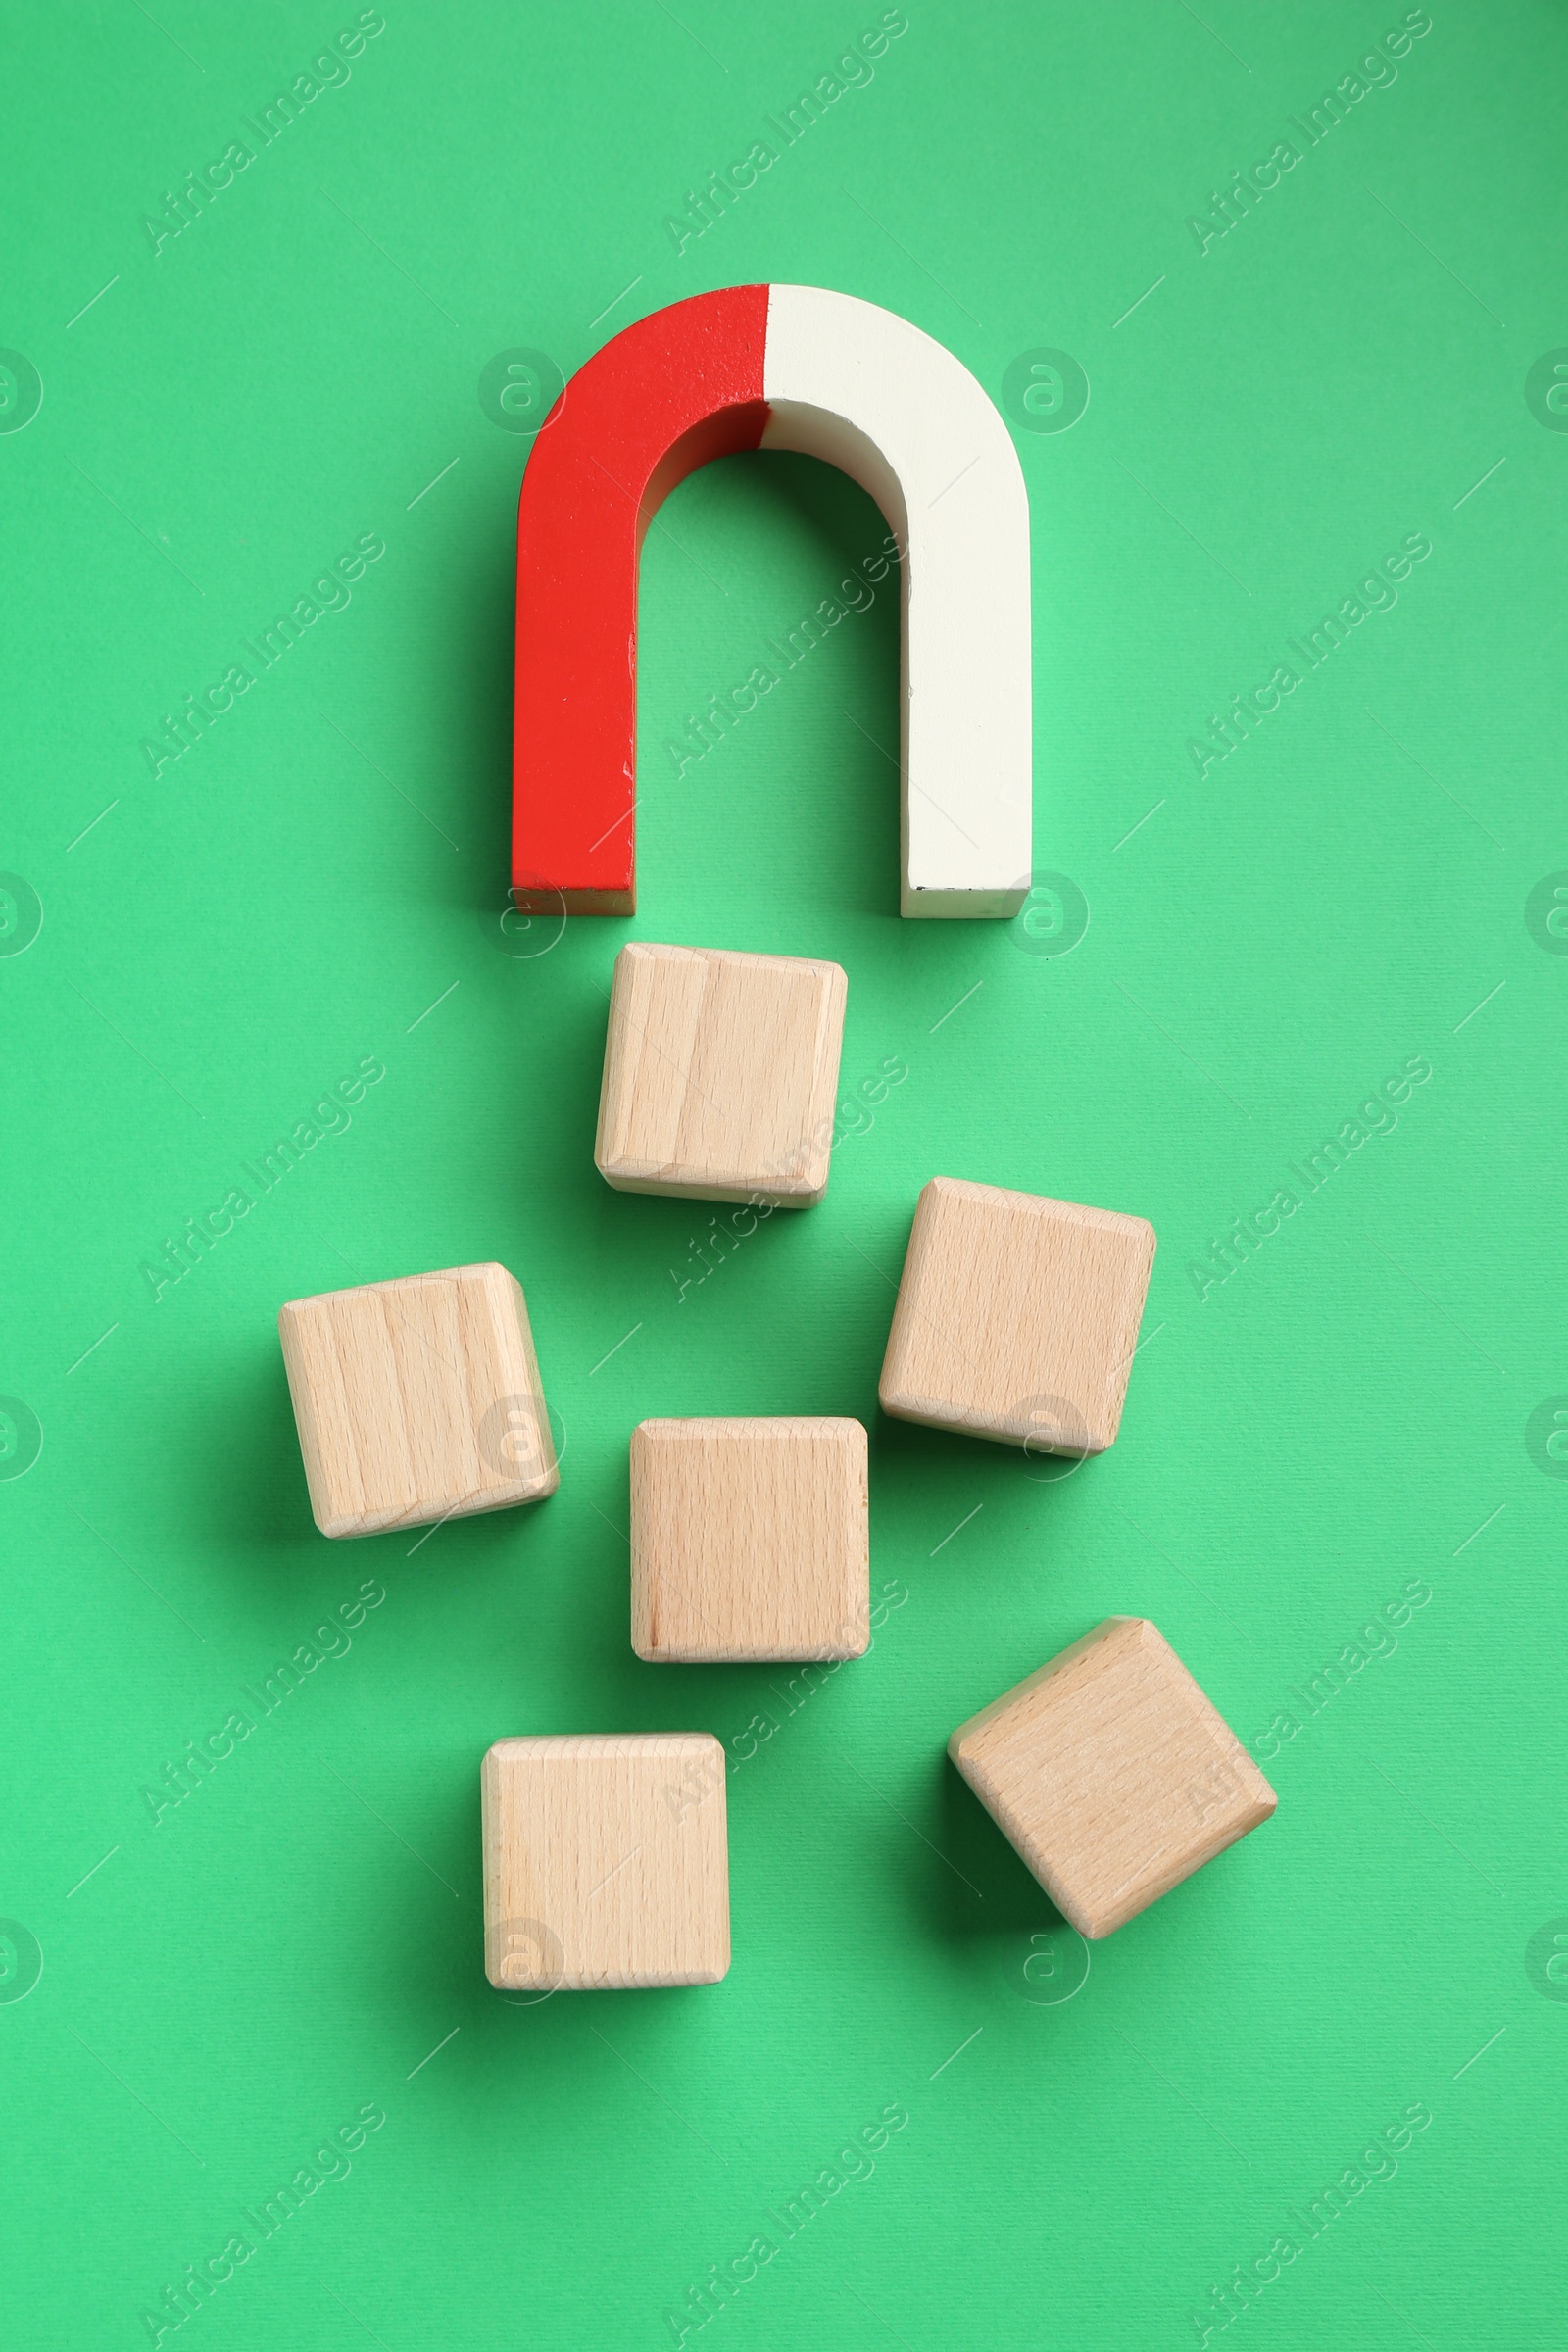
236	1979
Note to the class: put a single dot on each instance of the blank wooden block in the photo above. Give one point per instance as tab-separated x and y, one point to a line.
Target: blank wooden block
417	1400
750	1538
1112	1774
720	1075
1016	1317
605	1862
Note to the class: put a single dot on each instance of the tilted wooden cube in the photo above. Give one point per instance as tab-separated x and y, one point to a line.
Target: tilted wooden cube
1016	1317
750	1538
1112	1774
417	1400
605	1862
720	1075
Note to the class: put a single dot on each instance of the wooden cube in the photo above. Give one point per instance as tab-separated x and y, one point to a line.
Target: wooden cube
1016	1317
720	1075
417	1400
750	1538
1112	1774
605	1862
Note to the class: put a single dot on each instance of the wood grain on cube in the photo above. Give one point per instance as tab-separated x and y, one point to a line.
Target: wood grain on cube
1016	1317
720	1072
750	1538
1112	1774
417	1400
605	1862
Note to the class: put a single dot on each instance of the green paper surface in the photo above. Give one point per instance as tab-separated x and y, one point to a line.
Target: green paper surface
1337	1488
